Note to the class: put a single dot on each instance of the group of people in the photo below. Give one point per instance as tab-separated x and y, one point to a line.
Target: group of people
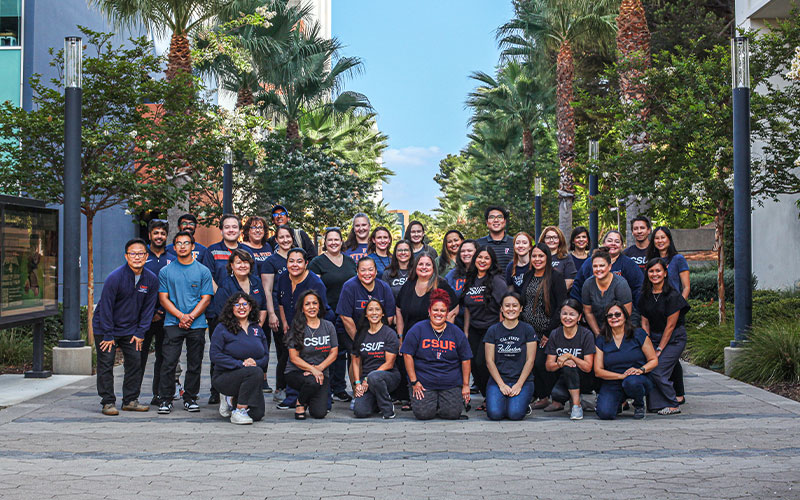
529	325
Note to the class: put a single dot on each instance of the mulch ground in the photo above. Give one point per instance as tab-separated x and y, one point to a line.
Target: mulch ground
785	389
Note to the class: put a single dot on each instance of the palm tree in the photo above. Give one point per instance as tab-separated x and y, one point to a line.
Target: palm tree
542	29
177	17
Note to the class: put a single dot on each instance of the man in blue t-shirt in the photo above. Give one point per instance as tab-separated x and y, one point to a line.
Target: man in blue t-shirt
188	222
122	317
185	288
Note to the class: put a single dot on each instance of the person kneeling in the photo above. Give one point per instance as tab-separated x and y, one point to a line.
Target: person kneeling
374	353
240	353
437	358
623	358
510	355
570	354
313	347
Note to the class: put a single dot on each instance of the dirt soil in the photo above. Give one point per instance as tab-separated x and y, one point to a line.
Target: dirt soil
785	389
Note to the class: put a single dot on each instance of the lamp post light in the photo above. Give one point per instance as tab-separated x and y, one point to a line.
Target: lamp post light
594	155
742	253
227	183
73	57
537	190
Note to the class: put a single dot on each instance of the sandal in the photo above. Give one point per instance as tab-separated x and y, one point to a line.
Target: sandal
482	407
683	402
669	411
299	415
405	406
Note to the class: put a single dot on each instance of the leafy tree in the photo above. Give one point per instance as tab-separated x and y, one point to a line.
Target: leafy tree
130	151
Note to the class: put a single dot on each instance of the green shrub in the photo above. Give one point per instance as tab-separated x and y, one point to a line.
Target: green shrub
705	343
16	344
704	284
16	348
771	355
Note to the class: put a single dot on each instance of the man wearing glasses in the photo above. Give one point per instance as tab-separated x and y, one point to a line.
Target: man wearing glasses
122	317
501	243
280	216
188	222
185	288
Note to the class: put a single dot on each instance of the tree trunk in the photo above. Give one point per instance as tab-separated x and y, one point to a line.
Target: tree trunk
179	58
527	143
719	243
244	97
565	118
90	274
293	134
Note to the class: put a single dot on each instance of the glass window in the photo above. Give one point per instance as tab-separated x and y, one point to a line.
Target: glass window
10	23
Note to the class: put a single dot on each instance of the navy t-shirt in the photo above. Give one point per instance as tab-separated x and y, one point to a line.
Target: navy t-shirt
374	347
437	358
517	277
288	298
216	260
637	255
396	282
565	266
484	312
381	263
357	252
628	355
154	264
354	297
275	264
260	255
675	267
510	349
456	281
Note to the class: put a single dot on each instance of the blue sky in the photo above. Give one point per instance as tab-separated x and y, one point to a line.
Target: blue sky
417	60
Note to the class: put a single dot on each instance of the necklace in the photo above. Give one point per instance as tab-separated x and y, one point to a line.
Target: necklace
439	333
656	296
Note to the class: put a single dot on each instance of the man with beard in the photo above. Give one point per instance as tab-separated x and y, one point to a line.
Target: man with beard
280	217
641	228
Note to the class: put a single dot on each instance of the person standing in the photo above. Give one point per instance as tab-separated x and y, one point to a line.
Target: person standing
562	262
415	233
188	222
446	260
254	238
580	246
496	220
185	288
122	317
516	269
640	228
217	255
620	265
397	272
274	267
358	240
603	289
280	217
380	249
157	258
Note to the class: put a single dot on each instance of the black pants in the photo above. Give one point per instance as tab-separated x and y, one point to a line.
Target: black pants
173	344
244	385
312	395
544	380
156	332
212	325
479	371
283	357
401	392
132	382
677	380
570	377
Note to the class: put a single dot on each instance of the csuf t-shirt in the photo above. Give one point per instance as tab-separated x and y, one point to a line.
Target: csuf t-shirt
374	347
514	277
510	349
637	255
581	344
483	312
437	357
397	282
317	344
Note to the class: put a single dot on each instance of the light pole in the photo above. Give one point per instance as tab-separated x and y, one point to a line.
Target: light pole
537	189
742	253
73	57
227	183
594	155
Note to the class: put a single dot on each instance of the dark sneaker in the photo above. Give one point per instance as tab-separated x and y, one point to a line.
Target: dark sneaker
135	405
165	407
110	409
265	388
191	405
638	412
155	401
390	417
285	405
343	397
528	411
214	399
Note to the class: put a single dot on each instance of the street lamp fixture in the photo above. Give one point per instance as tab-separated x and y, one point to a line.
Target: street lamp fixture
537	190
73	62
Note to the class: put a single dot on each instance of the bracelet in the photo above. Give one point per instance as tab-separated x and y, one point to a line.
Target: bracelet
413	382
357	382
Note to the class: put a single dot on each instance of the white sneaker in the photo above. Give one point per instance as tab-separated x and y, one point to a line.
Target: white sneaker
240	416
224	406
178	391
279	395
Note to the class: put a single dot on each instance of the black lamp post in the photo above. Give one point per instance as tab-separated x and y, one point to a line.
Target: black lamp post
73	57
227	183
742	252
594	155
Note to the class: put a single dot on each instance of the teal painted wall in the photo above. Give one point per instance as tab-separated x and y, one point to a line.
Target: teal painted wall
10	75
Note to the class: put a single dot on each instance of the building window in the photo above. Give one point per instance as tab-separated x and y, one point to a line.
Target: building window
10	23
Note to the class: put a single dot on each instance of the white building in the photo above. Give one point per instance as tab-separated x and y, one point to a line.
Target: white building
776	226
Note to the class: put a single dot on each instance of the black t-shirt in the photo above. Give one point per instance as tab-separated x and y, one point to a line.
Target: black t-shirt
397	282
657	308
579	346
484	313
414	307
374	347
510	349
517	277
637	255
332	275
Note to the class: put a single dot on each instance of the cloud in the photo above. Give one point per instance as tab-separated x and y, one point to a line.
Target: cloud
412	156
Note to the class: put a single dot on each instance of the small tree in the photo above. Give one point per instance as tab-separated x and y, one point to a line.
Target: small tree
131	151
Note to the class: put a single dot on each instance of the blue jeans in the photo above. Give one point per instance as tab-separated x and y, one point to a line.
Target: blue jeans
613	392
499	406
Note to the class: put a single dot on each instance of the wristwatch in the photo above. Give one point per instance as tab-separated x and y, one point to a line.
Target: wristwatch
413	382
658	349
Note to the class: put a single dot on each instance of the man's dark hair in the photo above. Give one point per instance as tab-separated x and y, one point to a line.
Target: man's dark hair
642	218
189	217
499	208
135	241
182	233
157	224
229	216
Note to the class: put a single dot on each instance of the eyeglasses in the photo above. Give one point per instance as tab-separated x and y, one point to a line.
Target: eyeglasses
137	254
279	214
332	228
187	224
403	250
241	305
256	228
551	238
495	217
614	315
182	243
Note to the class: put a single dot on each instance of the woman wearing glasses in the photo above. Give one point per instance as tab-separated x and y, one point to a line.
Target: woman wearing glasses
240	352
623	358
562	262
397	272
254	235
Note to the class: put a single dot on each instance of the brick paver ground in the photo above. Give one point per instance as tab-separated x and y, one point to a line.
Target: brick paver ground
732	441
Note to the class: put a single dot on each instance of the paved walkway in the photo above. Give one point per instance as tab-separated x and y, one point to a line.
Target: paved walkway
732	441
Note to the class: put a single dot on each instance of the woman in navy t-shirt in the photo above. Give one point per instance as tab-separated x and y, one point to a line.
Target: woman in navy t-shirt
296	280
357	241
622	361
380	249
437	358
516	269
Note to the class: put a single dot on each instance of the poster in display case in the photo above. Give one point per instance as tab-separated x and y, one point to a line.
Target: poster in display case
29	258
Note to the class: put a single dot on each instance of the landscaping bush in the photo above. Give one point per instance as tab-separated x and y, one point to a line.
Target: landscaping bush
704	284
705	343
772	354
